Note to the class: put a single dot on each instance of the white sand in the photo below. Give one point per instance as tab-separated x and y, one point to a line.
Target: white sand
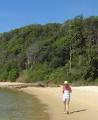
7	84
83	106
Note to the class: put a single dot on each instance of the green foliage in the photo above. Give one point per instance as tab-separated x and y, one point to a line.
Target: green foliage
4	76
15	46
53	52
38	73
12	75
57	76
59	43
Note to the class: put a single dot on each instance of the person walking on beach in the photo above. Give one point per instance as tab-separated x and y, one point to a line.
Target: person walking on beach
66	96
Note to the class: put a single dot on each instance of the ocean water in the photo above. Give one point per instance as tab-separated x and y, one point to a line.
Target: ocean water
15	105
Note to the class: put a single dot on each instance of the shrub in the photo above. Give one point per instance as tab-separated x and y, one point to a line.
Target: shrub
13	74
3	76
38	73
57	76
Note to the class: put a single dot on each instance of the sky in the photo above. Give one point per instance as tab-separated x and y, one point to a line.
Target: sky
18	13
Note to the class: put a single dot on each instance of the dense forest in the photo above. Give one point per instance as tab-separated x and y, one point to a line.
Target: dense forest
51	53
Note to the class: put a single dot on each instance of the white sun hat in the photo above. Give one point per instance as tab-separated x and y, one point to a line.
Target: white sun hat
65	82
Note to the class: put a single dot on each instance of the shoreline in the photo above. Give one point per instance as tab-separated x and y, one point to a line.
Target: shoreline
19	87
83	105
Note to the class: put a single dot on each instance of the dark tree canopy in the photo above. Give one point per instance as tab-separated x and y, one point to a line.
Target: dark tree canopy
52	52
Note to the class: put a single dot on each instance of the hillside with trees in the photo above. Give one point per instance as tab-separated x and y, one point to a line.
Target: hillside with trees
51	53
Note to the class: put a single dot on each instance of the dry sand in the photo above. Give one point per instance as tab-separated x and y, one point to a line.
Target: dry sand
10	84
83	105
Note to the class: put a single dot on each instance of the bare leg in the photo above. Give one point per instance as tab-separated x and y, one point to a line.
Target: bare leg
65	106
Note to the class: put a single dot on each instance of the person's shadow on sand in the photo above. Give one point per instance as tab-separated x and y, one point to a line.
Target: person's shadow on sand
82	110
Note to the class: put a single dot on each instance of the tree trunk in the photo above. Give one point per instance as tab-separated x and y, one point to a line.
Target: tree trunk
70	60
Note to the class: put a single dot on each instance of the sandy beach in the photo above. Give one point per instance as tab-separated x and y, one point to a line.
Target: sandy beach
83	105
